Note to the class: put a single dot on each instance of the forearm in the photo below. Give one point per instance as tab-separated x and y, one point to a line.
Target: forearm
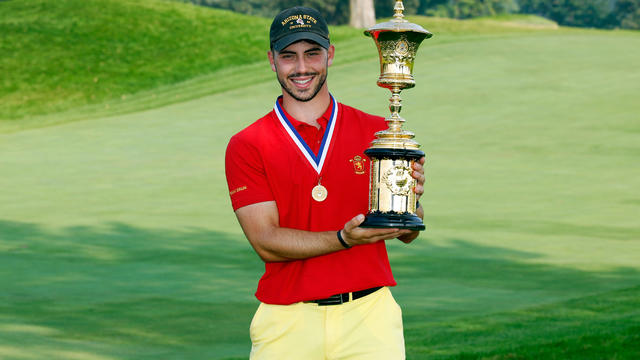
272	242
284	244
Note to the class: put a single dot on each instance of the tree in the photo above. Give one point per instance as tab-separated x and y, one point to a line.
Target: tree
362	13
384	8
586	13
464	9
626	14
334	11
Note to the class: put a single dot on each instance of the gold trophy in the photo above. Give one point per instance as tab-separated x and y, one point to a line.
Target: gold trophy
392	201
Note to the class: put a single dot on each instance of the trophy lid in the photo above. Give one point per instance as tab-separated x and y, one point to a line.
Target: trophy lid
398	27
398	24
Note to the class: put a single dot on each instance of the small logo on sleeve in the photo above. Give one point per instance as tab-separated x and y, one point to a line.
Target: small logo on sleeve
358	164
237	190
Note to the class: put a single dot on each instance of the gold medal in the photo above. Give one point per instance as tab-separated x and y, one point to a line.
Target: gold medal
319	193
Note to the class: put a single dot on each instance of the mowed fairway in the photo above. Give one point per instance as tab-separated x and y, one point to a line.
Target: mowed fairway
118	241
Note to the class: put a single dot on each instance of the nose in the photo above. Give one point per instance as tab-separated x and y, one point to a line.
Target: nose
301	65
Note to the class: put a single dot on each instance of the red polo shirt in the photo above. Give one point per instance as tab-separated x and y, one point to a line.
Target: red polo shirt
278	158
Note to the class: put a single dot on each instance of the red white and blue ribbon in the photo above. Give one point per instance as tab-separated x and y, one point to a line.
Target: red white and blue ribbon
315	160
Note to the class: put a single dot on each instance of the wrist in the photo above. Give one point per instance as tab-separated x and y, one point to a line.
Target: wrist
342	241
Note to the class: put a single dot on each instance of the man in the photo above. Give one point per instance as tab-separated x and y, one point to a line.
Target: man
298	181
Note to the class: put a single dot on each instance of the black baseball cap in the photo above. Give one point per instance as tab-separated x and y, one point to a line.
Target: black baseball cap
298	23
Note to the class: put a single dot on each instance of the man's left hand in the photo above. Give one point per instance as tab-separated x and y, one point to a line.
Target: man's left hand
418	174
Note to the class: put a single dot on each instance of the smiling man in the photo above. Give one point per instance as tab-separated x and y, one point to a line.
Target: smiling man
306	80
299	186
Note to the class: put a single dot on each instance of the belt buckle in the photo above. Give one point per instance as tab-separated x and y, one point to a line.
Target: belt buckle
342	300
336	299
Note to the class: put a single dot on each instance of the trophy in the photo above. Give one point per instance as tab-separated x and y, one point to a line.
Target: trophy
392	200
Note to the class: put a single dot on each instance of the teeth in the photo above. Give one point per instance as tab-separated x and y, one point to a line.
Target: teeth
301	82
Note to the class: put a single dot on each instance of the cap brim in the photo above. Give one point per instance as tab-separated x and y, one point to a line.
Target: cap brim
301	35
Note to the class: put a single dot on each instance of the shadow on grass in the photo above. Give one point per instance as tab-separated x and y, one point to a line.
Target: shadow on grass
480	266
543	228
123	292
462	300
157	292
603	326
623	344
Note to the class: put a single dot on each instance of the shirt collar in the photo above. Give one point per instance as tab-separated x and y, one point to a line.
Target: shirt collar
299	125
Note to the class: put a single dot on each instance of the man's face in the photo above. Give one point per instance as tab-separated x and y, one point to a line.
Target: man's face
301	68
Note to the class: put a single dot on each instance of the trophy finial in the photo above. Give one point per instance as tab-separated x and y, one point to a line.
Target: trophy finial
399	8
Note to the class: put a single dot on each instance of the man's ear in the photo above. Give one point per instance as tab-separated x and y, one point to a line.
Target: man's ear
330	52
271	60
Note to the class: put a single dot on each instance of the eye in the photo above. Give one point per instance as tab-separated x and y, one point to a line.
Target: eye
287	57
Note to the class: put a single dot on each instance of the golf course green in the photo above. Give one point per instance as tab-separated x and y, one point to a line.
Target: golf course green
117	237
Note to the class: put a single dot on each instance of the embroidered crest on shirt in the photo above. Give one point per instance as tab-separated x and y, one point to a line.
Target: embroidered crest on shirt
358	164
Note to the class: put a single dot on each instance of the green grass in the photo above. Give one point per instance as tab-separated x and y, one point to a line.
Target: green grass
117	239
612	331
58	55
74	59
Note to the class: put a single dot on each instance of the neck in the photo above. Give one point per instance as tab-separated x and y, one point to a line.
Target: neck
307	111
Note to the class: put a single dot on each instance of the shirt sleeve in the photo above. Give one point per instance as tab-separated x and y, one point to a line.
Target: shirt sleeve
246	176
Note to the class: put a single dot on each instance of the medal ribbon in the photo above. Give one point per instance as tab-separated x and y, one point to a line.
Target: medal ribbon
316	161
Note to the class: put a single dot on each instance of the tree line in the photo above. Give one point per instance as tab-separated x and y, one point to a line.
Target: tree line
606	14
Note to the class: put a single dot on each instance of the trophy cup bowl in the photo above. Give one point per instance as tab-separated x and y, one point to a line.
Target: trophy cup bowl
392	200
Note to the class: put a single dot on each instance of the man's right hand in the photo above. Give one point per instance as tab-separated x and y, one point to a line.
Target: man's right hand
355	235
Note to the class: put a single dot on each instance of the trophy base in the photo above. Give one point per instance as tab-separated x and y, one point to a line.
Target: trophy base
393	220
389	208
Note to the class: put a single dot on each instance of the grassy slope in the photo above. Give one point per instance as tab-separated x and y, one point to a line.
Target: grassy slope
58	55
114	56
117	240
61	54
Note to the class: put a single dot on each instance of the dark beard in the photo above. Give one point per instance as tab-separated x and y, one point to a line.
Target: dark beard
315	92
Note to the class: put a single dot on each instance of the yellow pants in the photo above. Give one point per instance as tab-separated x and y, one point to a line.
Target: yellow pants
368	328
